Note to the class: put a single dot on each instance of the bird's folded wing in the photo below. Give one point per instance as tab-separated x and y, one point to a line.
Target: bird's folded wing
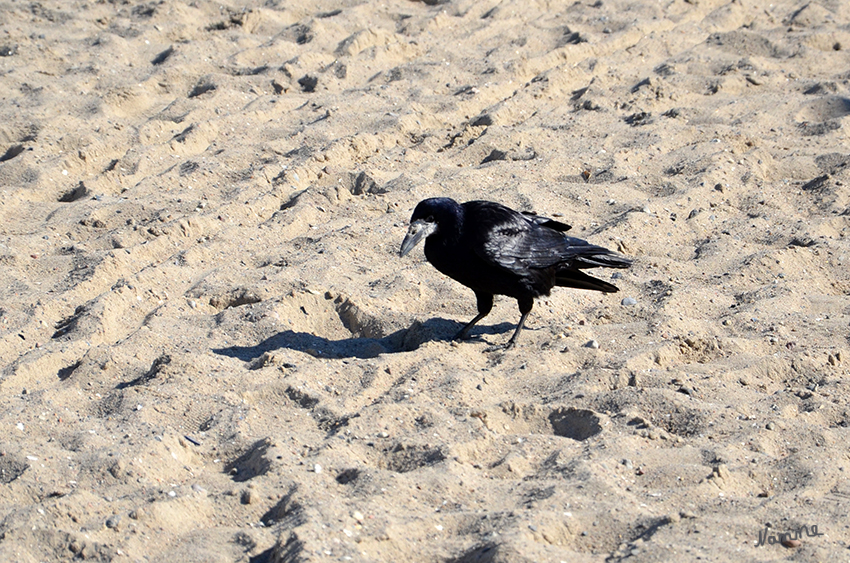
518	247
546	222
519	241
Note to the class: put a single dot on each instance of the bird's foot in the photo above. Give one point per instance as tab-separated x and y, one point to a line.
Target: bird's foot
500	347
460	336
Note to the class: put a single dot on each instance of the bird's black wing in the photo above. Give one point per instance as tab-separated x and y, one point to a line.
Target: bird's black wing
546	222
516	242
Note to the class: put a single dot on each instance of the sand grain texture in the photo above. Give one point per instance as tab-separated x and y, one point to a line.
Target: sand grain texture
210	350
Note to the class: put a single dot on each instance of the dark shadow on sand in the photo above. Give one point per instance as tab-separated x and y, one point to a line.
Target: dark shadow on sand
403	340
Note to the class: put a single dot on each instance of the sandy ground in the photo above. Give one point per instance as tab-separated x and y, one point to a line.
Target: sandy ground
211	351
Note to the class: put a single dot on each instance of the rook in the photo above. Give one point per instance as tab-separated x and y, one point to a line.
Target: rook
495	250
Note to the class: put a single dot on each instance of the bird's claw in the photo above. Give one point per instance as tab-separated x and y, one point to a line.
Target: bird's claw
500	347
461	336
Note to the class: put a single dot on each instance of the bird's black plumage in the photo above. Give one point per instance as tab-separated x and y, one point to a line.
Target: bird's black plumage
495	250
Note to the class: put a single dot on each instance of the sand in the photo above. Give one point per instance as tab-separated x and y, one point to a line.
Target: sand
211	351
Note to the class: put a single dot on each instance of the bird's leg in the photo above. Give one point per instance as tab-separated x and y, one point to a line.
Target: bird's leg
485	305
525	306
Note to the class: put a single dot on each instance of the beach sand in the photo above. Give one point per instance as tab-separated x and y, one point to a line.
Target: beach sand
210	350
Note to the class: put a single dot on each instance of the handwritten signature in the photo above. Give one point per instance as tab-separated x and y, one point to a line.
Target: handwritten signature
764	537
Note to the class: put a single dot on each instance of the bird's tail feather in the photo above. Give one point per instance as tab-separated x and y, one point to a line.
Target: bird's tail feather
601	261
580	280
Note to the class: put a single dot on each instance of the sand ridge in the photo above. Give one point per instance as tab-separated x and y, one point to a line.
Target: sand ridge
211	351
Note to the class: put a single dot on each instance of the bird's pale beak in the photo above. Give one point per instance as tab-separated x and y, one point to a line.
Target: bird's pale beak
418	230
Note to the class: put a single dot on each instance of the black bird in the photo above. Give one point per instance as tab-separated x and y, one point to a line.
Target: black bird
493	249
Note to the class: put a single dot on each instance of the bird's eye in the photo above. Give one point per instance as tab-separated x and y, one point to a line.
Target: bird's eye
430	219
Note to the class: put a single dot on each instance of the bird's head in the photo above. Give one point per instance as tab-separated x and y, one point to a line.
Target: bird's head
427	219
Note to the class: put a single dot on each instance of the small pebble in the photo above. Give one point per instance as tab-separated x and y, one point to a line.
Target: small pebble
592	344
791	543
249	496
113	521
317	468
770	426
673	517
629	301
